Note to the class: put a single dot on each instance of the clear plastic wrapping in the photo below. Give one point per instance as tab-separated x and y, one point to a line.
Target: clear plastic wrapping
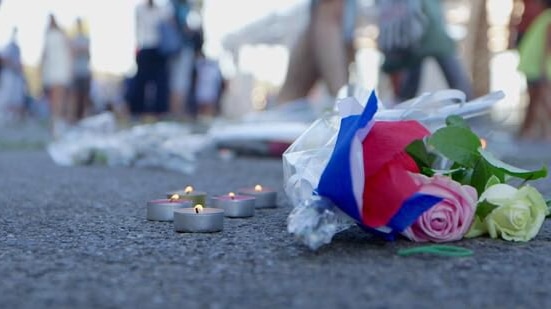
314	219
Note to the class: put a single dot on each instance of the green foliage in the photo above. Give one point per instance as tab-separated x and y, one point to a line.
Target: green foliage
508	169
482	172
493	180
471	164
419	153
457	121
458	144
484	208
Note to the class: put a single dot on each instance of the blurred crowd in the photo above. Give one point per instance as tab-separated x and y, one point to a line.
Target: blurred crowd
175	80
173	75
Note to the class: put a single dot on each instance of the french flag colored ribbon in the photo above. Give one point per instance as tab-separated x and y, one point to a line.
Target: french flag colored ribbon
368	174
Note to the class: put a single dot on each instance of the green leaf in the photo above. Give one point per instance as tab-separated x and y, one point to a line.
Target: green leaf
484	208
481	173
442	250
456	121
419	153
493	180
457	144
427	171
512	170
461	173
463	177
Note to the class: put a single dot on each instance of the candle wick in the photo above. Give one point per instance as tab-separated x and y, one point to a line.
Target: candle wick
196	210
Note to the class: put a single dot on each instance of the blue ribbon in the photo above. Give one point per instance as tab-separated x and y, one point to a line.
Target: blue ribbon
336	180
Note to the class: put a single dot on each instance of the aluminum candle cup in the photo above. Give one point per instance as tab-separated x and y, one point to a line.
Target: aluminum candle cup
235	206
196	197
163	209
265	198
198	220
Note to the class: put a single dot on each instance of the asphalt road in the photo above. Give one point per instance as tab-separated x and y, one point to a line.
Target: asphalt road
78	238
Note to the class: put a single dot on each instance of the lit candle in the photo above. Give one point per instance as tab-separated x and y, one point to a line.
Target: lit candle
196	197
163	209
265	198
235	206
198	219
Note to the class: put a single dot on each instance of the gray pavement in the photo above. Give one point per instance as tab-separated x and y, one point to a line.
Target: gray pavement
77	238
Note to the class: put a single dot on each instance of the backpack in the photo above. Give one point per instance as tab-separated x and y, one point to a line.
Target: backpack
402	24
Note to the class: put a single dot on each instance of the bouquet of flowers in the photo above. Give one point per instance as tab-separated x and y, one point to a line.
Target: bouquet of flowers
419	171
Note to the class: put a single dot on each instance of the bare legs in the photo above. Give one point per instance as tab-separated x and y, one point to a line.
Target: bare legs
537	122
320	52
57	101
57	97
329	44
177	103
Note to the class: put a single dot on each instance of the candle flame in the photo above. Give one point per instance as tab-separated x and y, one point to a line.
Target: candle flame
231	195
174	197
198	208
188	190
258	188
483	143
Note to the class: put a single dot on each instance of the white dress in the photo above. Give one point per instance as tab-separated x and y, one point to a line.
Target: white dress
56	63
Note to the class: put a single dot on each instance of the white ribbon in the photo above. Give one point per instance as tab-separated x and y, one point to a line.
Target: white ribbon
436	106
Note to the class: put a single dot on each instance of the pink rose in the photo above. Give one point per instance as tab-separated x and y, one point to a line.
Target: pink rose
448	220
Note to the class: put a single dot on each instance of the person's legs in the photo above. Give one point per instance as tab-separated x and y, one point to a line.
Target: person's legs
161	83
56	95
321	51
59	113
206	109
137	91
530	128
411	77
545	114
176	71
329	45
455	74
82	96
301	71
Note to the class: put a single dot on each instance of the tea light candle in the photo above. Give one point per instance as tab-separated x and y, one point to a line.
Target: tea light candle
163	209
265	198
198	219
235	206
196	197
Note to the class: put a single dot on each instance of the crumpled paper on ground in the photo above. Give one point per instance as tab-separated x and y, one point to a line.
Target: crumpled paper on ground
96	140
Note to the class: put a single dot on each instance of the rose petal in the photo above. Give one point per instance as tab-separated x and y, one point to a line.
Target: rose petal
448	220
